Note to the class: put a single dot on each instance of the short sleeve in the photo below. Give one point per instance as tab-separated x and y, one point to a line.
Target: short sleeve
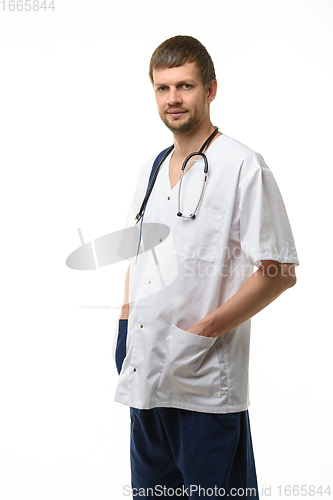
265	232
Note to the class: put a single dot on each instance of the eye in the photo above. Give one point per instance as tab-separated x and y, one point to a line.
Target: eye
187	86
161	89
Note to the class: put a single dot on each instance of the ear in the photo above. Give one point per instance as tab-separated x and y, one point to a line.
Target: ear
211	91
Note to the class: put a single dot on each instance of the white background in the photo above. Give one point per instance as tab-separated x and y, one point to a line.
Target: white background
78	119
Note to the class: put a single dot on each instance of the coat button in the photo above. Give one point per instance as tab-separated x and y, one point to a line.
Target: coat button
141	326
134	369
168	197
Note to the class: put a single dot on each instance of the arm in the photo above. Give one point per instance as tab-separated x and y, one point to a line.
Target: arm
125	307
264	286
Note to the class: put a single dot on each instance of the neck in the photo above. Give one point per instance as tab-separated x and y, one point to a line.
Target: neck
191	141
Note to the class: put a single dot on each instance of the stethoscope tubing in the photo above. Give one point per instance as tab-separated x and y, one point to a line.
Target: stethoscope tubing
192	215
153	179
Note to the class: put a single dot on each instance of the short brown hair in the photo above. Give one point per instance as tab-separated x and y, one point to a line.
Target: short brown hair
178	50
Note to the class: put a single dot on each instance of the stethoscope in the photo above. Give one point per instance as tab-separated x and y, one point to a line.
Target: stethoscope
154	176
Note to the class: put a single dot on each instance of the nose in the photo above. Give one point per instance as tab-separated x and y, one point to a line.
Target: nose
174	96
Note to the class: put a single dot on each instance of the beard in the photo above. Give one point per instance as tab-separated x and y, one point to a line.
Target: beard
181	126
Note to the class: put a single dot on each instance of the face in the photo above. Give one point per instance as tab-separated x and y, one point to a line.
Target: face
182	100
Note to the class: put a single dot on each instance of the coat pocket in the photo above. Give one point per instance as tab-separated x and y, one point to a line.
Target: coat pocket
191	365
197	238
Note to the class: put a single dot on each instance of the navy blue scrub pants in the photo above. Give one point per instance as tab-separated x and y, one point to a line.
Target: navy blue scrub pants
187	454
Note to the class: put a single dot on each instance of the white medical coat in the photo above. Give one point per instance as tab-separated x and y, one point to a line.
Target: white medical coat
202	263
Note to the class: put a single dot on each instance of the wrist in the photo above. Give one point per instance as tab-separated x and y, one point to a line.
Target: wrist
205	327
210	327
124	312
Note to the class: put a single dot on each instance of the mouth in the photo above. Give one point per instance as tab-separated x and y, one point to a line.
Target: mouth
176	113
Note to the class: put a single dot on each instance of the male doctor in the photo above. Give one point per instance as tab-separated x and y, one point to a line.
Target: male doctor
183	348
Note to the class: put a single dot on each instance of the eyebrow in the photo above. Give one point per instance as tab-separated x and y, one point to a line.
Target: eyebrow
181	82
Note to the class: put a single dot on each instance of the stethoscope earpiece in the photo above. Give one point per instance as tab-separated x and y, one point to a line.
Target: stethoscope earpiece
192	216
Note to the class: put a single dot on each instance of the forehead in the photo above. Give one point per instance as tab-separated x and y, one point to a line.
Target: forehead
172	76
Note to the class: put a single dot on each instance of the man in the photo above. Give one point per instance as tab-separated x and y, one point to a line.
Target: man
184	367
